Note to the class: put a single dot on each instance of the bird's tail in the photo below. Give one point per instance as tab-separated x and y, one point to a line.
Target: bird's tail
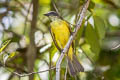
74	66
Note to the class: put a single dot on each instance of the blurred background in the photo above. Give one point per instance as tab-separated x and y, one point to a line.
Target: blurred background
23	22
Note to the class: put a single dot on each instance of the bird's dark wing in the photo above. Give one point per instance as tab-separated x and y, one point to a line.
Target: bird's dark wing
53	37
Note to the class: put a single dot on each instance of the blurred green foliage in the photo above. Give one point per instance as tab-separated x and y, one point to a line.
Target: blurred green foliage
98	38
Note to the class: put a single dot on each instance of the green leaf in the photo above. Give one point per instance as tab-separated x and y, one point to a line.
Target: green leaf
19	60
12	54
78	36
99	27
92	39
44	2
4	45
91	6
98	1
15	38
86	49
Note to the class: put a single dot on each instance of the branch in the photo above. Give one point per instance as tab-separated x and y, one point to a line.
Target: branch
26	18
21	4
32	50
55	7
110	2
78	25
28	74
58	12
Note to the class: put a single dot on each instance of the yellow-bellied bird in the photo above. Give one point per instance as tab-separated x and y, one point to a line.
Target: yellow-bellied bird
60	31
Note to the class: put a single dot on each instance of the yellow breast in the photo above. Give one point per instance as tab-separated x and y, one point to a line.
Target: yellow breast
61	32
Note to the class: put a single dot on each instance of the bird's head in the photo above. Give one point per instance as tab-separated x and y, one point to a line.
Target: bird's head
52	15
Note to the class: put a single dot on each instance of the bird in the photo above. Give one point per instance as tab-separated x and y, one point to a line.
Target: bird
60	31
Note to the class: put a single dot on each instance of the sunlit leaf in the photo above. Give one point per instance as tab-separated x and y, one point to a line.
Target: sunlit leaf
86	49
44	2
8	55
4	45
98	1
12	54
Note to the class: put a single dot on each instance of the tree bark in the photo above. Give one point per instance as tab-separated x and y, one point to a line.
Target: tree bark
32	50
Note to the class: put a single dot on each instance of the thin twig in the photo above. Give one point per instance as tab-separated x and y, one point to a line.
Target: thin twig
78	25
50	64
55	7
21	4
58	12
28	74
26	19
66	71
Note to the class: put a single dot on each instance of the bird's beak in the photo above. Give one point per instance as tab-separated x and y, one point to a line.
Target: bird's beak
46	14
